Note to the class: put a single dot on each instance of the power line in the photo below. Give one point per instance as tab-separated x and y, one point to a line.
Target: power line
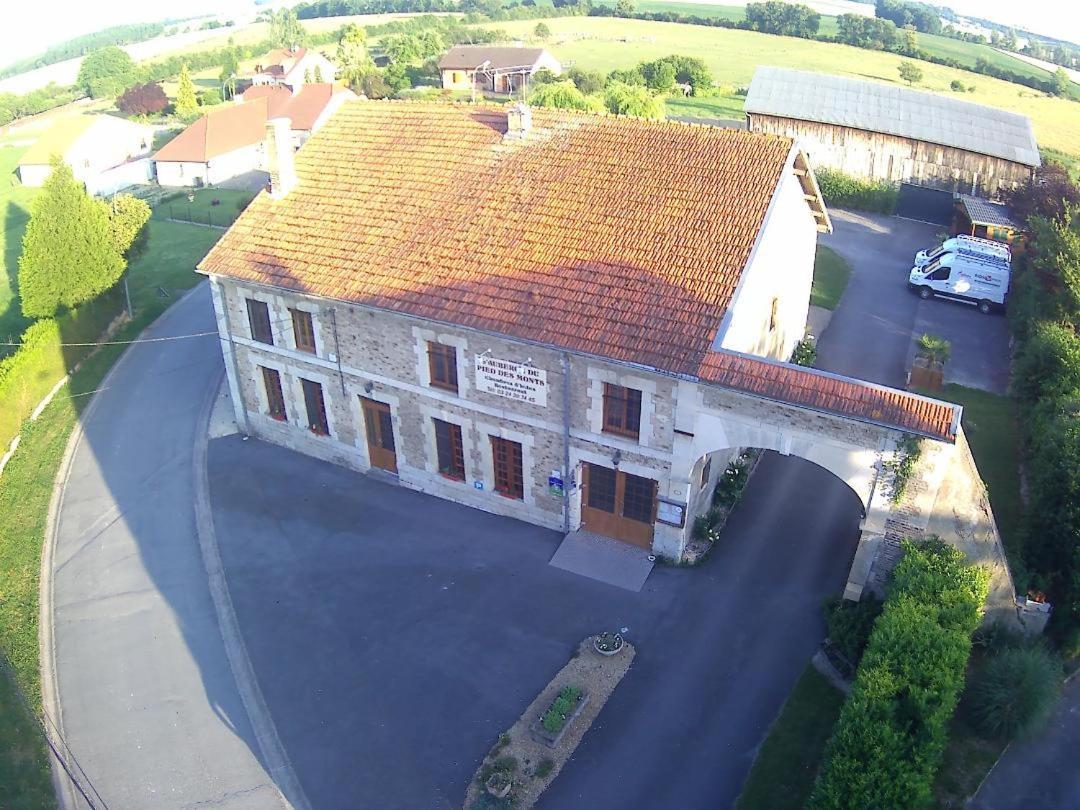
129	342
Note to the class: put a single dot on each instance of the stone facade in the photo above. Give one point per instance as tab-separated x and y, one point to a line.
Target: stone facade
382	356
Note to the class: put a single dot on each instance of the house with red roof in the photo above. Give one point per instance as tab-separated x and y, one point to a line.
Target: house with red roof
229	141
572	319
293	68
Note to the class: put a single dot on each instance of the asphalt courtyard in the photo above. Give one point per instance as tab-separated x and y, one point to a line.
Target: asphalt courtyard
395	635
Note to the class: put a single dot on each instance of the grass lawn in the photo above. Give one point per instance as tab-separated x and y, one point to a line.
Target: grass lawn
787	764
990	424
602	43
15	202
230	203
831	274
25	491
727	105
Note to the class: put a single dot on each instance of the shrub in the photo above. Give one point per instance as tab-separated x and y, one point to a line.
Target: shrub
730	485
1048	366
890	738
564	96
934	348
143	99
845	191
1015	691
560	710
804	353
625	99
541	32
850	624
544	767
209	97
957	86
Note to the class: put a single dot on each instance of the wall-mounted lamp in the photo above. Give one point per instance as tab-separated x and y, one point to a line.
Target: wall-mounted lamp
615	459
369	387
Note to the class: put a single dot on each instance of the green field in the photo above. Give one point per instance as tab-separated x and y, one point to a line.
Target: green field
721	105
601	43
211	206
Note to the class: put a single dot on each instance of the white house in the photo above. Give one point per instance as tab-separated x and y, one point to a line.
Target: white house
294	67
104	152
229	142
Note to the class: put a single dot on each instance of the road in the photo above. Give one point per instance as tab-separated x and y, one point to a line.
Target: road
149	705
395	635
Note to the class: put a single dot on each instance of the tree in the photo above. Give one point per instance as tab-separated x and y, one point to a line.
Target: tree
128	216
186	104
230	67
1062	82
403	48
210	97
586	81
373	85
307	75
624	8
625	99
662	79
866	32
285	30
911	42
787	19
105	72
910	72
353	60
317	75
1050	193
143	99
542	32
563	95
69	255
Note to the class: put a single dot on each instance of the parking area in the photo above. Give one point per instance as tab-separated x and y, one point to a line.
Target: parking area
873	331
395	635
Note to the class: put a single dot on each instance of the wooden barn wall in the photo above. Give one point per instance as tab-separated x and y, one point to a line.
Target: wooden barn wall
889	157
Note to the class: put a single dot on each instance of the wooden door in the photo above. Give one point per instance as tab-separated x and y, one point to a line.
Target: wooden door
616	504
380	434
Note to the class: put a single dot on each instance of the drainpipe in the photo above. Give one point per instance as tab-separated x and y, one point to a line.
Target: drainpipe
337	350
566	442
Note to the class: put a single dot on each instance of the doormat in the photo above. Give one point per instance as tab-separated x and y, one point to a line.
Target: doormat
604	559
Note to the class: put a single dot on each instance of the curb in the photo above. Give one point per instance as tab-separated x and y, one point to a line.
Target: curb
276	760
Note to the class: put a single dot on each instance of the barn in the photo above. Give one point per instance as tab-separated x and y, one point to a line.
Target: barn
886	132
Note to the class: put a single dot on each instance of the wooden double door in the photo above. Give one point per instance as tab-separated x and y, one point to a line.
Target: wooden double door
617	504
380	434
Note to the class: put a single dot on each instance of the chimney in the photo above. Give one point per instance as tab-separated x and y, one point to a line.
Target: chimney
279	157
518	121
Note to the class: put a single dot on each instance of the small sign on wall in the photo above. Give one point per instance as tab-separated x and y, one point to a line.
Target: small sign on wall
555	484
673	513
512	380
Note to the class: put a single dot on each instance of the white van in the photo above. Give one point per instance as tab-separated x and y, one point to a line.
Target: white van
968	244
979	280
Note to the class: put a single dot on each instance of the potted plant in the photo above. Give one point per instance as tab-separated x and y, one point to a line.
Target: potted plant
931	355
499	784
608	643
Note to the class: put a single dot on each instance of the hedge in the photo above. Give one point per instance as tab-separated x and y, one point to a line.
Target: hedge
845	191
41	361
892	731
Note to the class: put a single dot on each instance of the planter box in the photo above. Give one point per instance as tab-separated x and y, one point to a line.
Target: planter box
542	735
926	374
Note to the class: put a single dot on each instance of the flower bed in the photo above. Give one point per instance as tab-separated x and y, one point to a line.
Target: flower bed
561	709
727	492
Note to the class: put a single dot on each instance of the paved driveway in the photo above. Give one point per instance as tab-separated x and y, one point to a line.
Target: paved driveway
395	635
873	331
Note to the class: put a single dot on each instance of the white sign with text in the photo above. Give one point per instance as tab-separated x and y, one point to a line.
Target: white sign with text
511	380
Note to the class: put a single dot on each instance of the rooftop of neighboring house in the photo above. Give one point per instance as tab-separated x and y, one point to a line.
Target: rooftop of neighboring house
614	237
893	110
58	139
470	57
235	126
280	61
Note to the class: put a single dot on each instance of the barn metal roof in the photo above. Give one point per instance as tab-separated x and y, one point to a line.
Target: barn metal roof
984	212
893	110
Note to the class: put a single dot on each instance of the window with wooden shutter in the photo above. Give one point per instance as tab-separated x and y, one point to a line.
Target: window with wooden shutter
509	477
316	408
622	410
275	398
449	450
259	321
303	330
442	363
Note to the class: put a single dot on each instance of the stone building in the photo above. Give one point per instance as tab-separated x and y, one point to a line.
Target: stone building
886	132
570	319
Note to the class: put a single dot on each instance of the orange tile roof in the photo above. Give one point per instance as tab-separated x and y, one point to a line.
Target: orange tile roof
617	237
218	132
822	391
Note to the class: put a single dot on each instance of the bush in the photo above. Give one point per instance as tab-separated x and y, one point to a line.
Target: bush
1015	691
564	96
209	97
143	99
1048	366
845	191
891	735
625	99
957	86
850	624
804	353
560	710
544	767
730	485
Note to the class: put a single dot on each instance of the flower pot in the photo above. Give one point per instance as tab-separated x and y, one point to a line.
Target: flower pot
498	785
608	644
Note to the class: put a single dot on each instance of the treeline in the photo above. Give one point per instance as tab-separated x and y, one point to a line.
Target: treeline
1044	311
14	105
80	46
923	18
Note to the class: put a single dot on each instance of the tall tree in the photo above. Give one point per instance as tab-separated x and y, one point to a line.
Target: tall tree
69	253
187	104
230	68
128	216
106	72
318	74
352	57
1061	82
286	30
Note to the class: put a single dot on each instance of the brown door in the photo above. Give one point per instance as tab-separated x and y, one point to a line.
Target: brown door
617	504
380	434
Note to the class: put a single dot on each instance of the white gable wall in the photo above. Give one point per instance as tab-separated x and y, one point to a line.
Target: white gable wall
780	269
